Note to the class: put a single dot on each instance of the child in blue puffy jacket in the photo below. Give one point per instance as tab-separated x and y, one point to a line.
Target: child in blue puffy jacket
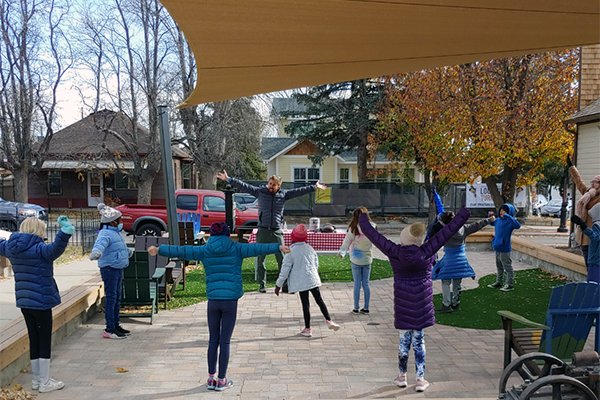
501	243
222	260
36	290
112	254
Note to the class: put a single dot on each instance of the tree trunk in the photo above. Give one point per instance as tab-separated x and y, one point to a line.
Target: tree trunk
145	191
362	155
208	177
21	183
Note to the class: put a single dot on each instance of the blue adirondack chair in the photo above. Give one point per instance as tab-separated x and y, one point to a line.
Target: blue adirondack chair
573	310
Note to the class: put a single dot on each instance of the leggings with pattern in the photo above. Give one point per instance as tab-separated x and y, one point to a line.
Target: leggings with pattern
417	339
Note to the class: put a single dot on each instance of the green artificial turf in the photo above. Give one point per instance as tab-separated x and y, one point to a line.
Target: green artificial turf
478	307
331	269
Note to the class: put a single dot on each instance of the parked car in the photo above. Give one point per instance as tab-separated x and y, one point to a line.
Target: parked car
151	220
12	213
245	200
553	207
538	203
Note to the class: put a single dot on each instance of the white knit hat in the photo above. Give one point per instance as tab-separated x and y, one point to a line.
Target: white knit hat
107	214
594	212
413	235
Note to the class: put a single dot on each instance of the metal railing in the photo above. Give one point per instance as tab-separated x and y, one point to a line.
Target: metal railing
86	229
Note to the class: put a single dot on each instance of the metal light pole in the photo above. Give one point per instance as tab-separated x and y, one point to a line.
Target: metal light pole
563	209
169	177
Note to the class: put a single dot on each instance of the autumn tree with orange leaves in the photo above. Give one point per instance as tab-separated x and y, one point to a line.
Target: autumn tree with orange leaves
499	119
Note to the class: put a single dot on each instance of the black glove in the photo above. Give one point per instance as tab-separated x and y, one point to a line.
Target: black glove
578	221
569	163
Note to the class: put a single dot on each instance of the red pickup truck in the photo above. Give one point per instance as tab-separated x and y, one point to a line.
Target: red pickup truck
148	220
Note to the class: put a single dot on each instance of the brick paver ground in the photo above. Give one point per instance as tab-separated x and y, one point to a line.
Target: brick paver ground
269	360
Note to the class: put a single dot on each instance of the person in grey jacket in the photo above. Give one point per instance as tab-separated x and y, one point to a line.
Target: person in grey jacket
453	267
301	270
271	201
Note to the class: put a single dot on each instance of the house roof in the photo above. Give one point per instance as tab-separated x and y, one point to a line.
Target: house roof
588	114
247	47
273	147
86	137
352	156
282	104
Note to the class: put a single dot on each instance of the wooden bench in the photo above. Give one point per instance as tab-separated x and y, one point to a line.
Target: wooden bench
573	310
77	305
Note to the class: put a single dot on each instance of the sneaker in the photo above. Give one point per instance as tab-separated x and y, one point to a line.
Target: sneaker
495	285
223	385
119	328
355	311
114	334
35	384
444	310
51	385
422	384
211	382
400	381
363	311
306	332
263	289
456	307
333	325
506	288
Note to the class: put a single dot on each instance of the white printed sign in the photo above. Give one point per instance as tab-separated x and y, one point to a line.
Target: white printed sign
478	196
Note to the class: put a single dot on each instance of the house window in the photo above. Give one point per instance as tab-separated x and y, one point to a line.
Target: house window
54	182
382	176
310	175
186	175
123	181
344	175
408	177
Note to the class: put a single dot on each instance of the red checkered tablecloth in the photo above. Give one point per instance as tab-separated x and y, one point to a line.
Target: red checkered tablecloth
318	240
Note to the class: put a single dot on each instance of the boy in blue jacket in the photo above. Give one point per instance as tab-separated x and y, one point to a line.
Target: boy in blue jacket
504	226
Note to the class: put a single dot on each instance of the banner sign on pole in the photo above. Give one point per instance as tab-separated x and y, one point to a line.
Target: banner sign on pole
478	196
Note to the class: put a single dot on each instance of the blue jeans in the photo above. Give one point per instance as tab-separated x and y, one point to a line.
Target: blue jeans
221	321
361	274
113	288
417	339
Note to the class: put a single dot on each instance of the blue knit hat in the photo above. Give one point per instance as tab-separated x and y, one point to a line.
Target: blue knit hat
219	229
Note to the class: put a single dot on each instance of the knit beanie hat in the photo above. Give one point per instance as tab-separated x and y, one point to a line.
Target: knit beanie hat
505	208
107	214
299	234
595	213
413	235
219	229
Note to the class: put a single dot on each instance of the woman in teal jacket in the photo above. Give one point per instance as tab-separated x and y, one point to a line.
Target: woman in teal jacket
222	259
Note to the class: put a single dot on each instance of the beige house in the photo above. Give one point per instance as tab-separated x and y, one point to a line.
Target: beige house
288	158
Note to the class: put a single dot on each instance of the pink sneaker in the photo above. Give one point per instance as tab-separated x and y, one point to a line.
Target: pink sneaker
400	381
306	332
211	382
333	325
422	384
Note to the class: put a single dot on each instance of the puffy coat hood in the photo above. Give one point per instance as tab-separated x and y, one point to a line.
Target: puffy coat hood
219	245
594	212
20	242
31	261
511	209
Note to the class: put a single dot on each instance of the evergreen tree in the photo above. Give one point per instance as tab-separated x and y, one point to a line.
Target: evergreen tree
338	117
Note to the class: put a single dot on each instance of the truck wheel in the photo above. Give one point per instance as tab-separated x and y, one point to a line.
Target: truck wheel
148	230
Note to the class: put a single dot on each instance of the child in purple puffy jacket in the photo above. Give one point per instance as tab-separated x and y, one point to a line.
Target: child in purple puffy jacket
411	261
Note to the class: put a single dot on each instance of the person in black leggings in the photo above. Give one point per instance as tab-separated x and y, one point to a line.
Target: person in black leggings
301	270
36	291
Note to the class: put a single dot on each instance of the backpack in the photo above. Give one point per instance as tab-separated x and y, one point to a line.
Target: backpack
327	228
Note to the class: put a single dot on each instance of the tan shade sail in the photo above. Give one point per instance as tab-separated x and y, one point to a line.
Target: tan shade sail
246	47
